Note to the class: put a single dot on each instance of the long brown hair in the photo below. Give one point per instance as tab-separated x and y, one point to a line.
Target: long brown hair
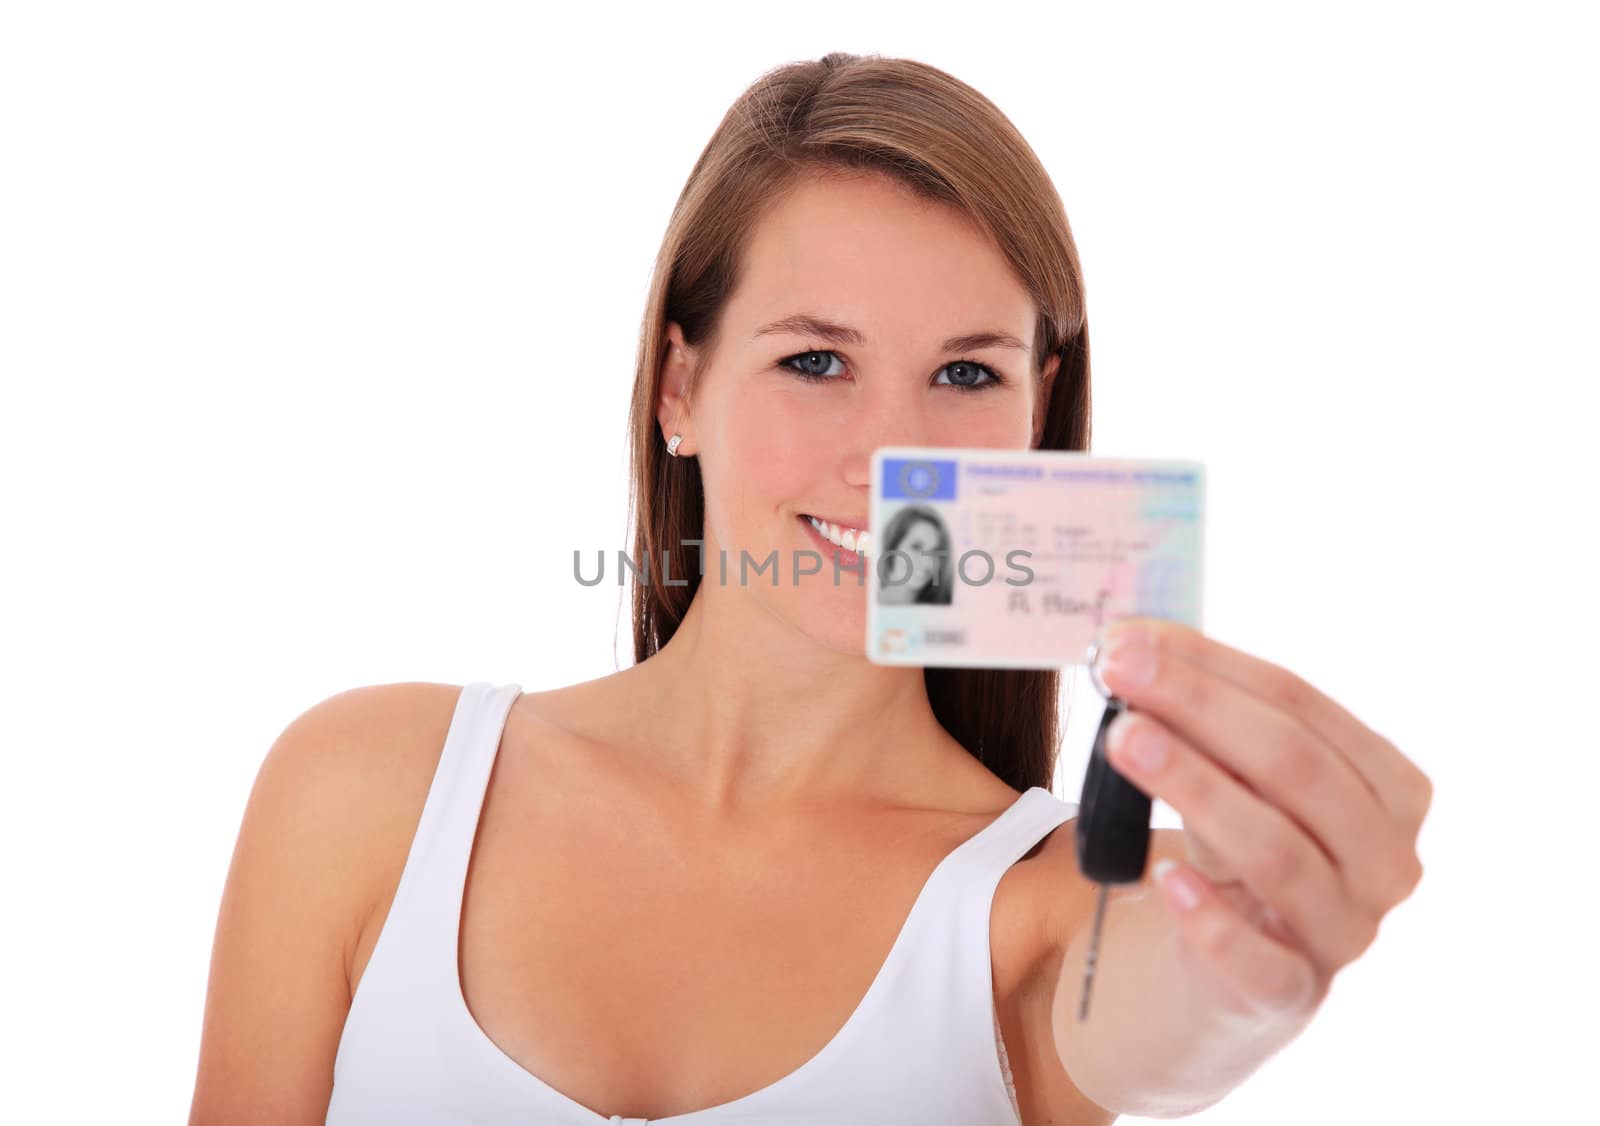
946	142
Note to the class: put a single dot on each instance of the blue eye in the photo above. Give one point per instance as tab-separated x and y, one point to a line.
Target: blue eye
994	379
810	376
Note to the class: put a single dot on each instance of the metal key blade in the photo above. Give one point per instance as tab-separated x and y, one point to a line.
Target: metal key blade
1094	952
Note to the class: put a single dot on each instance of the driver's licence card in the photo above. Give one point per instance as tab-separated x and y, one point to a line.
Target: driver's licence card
1016	558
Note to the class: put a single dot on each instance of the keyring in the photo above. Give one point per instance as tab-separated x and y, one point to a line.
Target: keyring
1094	670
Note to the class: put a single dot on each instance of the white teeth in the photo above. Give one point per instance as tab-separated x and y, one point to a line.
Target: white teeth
851	539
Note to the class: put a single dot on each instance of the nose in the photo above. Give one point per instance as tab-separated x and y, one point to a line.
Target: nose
883	416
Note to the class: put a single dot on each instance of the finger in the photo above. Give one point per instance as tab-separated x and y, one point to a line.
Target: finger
1286	762
1272	855
1395	779
1254	974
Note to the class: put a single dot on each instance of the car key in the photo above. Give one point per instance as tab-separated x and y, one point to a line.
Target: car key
1113	830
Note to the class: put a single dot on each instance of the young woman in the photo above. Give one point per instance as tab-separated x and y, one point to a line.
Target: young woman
922	573
755	877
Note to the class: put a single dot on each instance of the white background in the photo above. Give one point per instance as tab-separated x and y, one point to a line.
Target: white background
309	311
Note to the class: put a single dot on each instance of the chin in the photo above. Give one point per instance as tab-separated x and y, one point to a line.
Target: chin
835	618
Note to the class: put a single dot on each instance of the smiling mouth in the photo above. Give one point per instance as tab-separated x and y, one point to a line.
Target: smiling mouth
849	541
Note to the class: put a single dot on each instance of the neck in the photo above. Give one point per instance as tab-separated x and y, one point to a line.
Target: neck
749	712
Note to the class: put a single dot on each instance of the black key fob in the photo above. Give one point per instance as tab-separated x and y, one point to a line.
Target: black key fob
1113	830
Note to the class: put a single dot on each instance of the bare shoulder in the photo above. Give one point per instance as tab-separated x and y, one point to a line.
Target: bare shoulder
351	750
380	745
357	767
315	841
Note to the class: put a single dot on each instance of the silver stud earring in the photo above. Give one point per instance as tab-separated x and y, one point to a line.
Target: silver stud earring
672	444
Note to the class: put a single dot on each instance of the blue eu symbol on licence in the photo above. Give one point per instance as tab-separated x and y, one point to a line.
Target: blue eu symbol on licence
918	479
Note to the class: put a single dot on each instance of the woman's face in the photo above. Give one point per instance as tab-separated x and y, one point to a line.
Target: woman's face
787	414
914	565
919	544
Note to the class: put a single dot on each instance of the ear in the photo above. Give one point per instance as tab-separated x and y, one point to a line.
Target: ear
672	405
1041	402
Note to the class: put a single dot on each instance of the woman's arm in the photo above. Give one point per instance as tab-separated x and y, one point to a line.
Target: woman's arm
1156	1043
298	890
1300	834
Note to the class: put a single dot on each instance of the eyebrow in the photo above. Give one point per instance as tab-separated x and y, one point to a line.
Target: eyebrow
804	324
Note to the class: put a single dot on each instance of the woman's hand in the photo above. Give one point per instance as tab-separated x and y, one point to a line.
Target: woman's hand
1300	822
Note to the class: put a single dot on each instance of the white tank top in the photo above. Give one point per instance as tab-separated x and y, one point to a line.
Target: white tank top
922	1046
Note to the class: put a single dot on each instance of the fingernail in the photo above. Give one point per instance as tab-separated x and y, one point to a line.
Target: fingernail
1135	744
1127	657
1179	889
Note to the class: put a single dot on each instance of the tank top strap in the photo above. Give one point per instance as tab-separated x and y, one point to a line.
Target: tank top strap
933	1003
1036	813
426	906
410	979
994	851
